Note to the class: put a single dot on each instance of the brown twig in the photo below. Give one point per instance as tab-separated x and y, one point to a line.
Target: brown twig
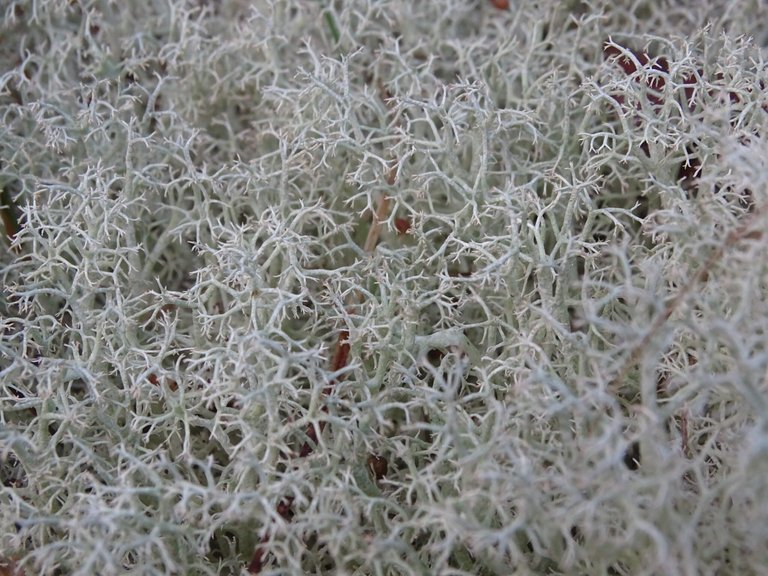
746	230
9	216
340	360
341	354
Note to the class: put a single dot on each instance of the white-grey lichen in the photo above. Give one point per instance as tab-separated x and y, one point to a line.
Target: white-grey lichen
383	287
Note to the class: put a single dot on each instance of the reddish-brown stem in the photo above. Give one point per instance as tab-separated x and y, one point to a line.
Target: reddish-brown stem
747	229
285	507
340	357
340	360
9	216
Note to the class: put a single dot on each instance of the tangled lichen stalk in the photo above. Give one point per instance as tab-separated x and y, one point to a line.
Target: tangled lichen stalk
379	287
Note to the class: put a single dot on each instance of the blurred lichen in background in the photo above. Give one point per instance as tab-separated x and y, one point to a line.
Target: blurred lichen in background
383	287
